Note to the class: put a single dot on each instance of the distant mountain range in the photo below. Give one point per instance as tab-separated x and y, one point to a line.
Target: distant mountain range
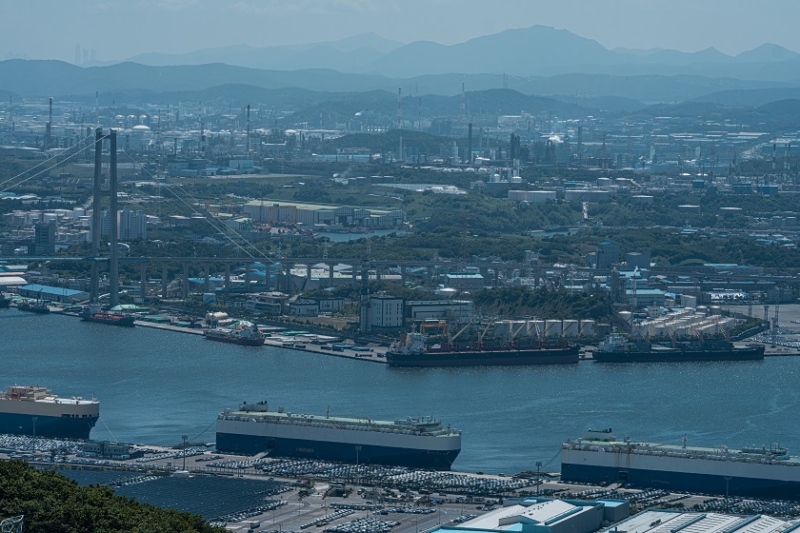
533	51
131	83
539	60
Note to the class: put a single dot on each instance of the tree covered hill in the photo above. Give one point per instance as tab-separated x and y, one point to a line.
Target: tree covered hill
53	504
544	302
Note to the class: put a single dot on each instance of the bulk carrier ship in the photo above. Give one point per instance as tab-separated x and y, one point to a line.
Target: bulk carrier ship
36	412
411	442
760	472
620	349
413	351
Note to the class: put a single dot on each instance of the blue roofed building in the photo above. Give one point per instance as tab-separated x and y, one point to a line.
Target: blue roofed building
52	294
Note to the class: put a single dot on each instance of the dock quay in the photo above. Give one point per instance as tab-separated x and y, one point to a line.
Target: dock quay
262	493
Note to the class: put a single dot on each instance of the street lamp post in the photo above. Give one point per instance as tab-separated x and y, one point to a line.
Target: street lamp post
358	450
727	485
33	421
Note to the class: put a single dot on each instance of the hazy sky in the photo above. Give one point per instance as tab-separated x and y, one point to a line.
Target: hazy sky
118	29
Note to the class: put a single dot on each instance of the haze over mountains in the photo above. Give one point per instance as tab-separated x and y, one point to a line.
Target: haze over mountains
539	60
533	51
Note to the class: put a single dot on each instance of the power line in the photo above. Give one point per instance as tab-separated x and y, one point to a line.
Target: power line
206	216
2	184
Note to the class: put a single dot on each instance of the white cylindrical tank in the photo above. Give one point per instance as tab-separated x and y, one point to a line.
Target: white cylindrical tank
552	328
502	328
570	328
536	328
517	328
587	328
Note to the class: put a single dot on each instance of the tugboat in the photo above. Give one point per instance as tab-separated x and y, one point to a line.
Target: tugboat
93	313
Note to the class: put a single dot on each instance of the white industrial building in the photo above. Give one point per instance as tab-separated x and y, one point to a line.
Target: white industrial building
382	312
309	215
534	197
422	309
536	515
587	195
673	522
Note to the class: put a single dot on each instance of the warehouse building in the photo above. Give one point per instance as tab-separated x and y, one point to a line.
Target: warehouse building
309	215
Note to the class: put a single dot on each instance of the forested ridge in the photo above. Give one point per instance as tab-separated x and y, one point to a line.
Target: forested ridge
52	503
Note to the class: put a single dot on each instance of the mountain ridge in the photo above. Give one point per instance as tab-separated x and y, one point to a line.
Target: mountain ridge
532	51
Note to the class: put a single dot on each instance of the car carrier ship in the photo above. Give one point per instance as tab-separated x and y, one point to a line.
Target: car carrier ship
414	351
759	472
411	442
36	412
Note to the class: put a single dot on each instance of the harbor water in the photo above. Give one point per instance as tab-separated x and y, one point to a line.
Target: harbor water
155	386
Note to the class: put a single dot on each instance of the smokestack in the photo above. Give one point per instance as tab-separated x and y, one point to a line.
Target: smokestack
49	129
248	130
786	159
463	101
469	144
399	107
97	109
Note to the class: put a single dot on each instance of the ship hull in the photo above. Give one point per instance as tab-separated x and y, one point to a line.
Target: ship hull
126	322
53	427
336	451
548	356
748	354
720	484
679	469
236	340
315	438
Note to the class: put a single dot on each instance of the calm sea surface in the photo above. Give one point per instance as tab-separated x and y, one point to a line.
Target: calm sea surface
155	386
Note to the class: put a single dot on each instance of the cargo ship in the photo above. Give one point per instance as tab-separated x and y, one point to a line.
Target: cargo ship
36	412
411	442
414	351
243	335
92	313
757	472
620	349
